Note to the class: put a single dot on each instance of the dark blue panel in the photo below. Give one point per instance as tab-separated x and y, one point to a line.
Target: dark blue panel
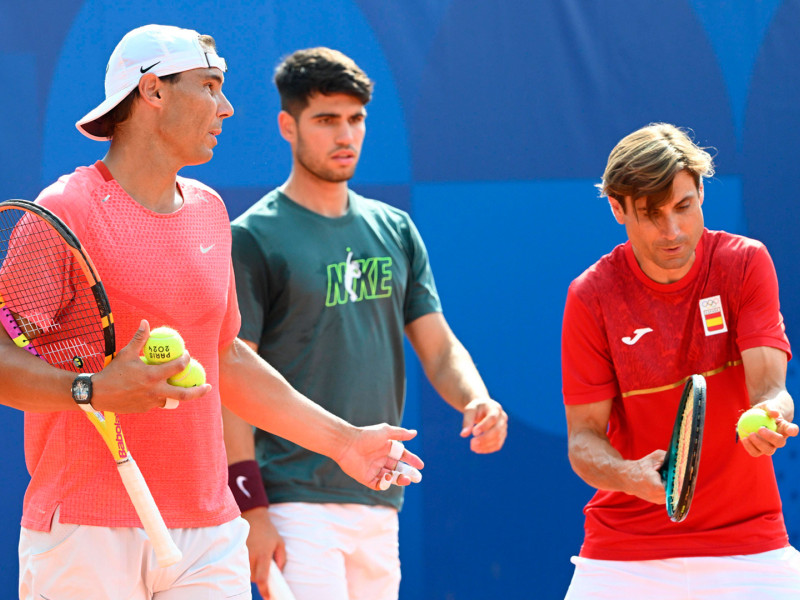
15	479
406	29
503	255
736	30
239	199
252	37
37	27
19	152
398	196
523	90
771	180
502	525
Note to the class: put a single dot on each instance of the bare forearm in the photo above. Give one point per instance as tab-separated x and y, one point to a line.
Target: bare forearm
765	376
260	395
600	465
30	384
455	377
238	435
597	462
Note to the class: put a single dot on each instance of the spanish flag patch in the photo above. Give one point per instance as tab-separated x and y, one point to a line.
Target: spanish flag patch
713	316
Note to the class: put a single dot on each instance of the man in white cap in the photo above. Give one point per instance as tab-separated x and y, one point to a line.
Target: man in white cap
162	245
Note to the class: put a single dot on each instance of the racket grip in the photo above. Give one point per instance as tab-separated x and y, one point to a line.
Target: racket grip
278	588
167	553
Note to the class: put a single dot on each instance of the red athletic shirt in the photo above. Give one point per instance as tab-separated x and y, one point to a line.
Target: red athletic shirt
171	269
630	339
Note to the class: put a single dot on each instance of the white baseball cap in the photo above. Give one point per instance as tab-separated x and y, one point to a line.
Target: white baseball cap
158	49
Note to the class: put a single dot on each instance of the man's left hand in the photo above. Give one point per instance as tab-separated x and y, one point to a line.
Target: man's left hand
487	423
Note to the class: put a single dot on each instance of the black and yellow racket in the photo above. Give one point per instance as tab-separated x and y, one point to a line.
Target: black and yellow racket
53	305
679	471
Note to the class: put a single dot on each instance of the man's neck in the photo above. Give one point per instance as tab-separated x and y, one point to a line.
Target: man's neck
145	177
329	199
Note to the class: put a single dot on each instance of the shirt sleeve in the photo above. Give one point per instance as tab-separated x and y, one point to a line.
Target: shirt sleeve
251	283
587	372
760	322
421	297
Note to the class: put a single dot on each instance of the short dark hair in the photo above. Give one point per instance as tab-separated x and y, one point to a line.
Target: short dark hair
319	71
645	162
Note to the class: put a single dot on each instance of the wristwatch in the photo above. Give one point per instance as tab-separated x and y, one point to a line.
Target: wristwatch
82	391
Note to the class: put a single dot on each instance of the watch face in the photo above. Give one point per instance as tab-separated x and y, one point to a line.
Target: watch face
81	392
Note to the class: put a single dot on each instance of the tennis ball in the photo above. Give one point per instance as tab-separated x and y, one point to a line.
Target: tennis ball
193	375
163	345
752	420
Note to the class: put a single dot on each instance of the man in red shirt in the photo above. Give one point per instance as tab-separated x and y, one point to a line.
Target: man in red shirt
674	300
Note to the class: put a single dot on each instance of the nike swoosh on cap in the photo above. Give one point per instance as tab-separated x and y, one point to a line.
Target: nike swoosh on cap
143	70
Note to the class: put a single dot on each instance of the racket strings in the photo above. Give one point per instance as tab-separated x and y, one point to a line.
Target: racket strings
44	286
682	455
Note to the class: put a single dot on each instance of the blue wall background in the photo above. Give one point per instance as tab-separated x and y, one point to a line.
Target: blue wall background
491	122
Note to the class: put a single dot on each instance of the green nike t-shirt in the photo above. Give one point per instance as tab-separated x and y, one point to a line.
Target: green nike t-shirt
326	300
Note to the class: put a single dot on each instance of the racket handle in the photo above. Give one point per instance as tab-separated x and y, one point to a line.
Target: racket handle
167	553
278	588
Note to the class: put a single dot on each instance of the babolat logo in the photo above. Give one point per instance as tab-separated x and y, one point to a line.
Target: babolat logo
123	453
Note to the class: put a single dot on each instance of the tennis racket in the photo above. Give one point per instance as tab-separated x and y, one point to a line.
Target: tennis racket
679	471
278	588
53	305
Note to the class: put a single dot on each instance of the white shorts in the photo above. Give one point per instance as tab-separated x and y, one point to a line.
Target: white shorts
82	562
773	575
339	551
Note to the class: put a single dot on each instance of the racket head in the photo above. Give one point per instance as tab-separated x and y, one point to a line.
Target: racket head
679	471
53	304
50	293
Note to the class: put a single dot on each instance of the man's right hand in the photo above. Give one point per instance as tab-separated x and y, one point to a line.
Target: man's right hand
644	478
128	385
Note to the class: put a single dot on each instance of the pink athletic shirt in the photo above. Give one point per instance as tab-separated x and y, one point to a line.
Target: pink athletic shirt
630	339
171	269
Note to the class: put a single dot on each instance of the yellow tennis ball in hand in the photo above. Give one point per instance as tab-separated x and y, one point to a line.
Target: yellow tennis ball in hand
193	375
163	345
752	420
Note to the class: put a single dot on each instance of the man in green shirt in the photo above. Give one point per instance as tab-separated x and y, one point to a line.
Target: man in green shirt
328	284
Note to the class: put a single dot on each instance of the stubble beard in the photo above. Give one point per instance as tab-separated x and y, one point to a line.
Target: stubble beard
321	172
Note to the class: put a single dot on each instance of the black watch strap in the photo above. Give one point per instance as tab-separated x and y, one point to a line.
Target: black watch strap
82	391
